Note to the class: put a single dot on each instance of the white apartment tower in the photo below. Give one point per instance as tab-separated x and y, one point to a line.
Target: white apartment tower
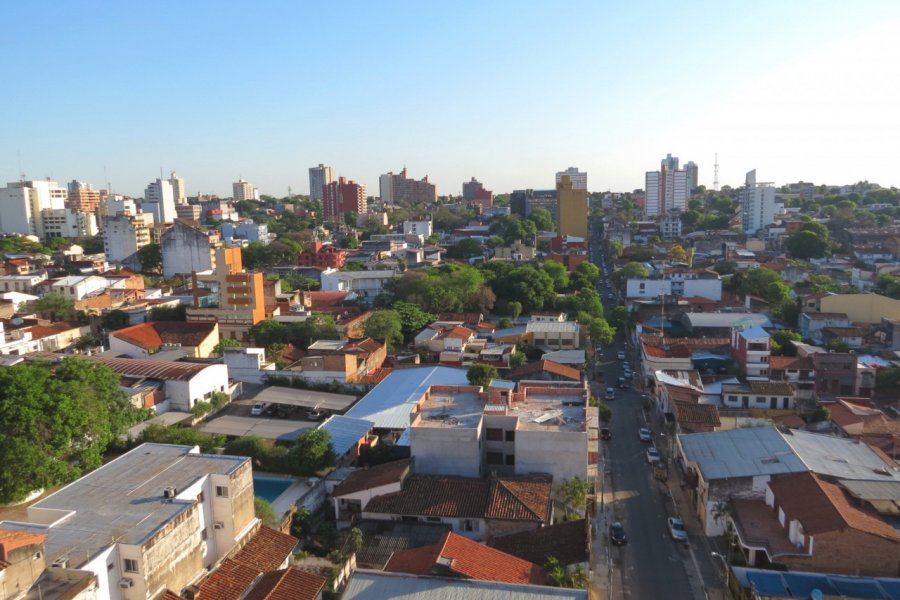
318	178
159	200
124	235
666	189
21	203
242	190
579	179
757	204
386	188
178	190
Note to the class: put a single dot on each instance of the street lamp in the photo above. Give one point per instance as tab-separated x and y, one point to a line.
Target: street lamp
725	565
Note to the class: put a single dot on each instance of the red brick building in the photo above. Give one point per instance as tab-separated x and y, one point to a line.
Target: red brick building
322	256
342	196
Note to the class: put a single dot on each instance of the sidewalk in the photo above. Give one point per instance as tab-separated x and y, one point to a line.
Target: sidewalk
605	581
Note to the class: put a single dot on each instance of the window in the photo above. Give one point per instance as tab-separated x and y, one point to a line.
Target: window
511	435
510	459
732	398
131	565
221	491
494	458
760	399
469	525
494	434
433	519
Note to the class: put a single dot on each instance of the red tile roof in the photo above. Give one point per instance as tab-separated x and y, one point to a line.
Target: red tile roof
822	507
267	550
568	542
289	584
547	366
459	333
691	413
228	582
462	557
320	300
170	595
153	335
377	476
524	498
790	362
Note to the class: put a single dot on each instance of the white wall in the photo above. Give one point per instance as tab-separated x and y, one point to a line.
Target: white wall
562	454
446	451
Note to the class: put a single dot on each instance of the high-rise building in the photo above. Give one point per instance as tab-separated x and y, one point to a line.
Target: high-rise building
318	178
82	196
124	235
242	190
692	182
229	295
343	196
178	189
67	223
399	188
572	207
159	200
579	179
665	189
474	193
522	202
757	204
21	203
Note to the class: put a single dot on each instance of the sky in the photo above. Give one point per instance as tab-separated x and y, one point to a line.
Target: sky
508	92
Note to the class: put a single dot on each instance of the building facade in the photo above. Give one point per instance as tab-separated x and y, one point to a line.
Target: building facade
400	188
578	179
319	177
343	196
474	193
21	203
179	192
229	295
757	205
124	235
186	249
572	209
666	189
242	190
159	200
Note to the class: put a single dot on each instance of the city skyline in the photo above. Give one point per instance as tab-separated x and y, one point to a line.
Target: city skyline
799	92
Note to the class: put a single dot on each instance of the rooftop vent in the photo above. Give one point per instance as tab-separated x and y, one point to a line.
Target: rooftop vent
169	493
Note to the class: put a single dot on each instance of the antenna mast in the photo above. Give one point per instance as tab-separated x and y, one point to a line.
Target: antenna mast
716	174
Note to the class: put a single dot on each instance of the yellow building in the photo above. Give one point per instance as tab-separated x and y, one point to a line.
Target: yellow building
862	308
571	209
229	295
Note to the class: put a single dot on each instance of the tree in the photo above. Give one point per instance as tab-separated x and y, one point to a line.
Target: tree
224	343
311	453
482	375
56	422
514	309
265	512
115	319
384	326
572	493
54	305
781	342
355	539
806	245
542	219
150	257
558	273
268	332
86	342
616	247
412	318
837	345
169	313
677	253
466	248
182	436
557	575
631	270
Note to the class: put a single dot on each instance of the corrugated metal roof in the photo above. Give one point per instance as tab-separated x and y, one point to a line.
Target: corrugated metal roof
389	403
135	367
345	432
839	457
727	319
872	490
741	453
377	585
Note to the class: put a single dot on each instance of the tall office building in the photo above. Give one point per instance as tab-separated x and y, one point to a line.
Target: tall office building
319	177
242	190
21	203
178	189
343	196
691	170
82	196
399	188
572	207
474	193
159	199
522	202
666	189
757	204
579	179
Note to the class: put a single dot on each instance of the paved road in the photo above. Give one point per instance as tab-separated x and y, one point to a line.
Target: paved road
651	565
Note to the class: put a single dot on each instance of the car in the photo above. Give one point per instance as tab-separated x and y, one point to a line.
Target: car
617	534
315	415
677	530
653	455
605	434
609	296
610	394
645	434
258	409
620	355
623	383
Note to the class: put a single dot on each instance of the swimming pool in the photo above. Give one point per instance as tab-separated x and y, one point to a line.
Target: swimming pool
269	488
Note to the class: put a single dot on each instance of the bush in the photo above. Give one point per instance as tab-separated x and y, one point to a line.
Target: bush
184	436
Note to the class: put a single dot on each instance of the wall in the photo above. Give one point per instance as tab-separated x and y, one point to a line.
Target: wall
173	557
446	451
862	308
849	551
563	454
184	250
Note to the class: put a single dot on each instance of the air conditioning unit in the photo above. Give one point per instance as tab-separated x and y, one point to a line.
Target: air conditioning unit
126	583
219	525
62	563
170	492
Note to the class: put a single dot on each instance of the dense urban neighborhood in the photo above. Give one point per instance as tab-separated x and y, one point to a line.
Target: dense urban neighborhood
672	392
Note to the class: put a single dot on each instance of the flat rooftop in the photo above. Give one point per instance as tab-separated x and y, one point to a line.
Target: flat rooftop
549	412
451	410
306	398
121	501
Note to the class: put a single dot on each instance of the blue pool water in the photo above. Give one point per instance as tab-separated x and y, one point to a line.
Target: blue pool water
269	488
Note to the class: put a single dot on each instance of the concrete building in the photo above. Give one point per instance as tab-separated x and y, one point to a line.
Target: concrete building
691	284
186	249
242	190
366	284
67	223
188	212
474	193
21	203
760	395
24	284
116	204
423	229
159	200
522	202
692	174
82	197
193	340
179	192
554	335
757	205
670	225
666	189
76	287
124	235
158	518
750	348
246	230
572	209
813	325
578	179
319	177
400	188
228	295
343	196
862	308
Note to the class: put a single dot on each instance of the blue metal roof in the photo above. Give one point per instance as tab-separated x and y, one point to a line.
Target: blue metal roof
389	403
345	432
796	584
754	332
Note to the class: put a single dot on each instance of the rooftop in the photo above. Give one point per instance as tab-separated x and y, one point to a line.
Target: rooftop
545	410
345	432
796	584
306	398
377	585
450	409
373	477
747	452
155	334
122	500
139	367
839	457
567	541
727	319
551	326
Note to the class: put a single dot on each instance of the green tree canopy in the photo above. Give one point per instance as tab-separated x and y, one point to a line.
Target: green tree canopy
631	270
54	305
466	248
312	453
115	319
482	374
150	257
224	343
412	318
385	326
558	273
542	219
806	245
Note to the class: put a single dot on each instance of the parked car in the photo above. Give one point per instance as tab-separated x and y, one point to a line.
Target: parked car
258	409
617	534
645	434
677	530
315	415
653	456
605	434
623	383
610	394
620	355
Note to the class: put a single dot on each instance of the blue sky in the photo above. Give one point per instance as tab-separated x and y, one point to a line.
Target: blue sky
506	91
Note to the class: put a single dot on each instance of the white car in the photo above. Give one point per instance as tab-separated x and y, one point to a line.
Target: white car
620	355
645	435
652	455
677	530
258	409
